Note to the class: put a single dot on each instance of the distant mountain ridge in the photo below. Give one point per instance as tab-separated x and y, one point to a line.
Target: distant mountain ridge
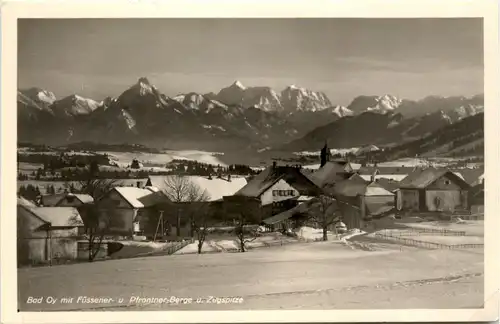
458	106
291	100
236	116
463	138
376	128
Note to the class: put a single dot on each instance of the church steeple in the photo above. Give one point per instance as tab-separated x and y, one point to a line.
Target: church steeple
325	155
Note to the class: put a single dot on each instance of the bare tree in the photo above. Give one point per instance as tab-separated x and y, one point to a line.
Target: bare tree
182	189
96	188
97	221
191	199
201	219
325	212
244	230
97	224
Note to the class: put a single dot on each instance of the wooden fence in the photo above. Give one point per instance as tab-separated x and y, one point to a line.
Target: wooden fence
427	245
415	231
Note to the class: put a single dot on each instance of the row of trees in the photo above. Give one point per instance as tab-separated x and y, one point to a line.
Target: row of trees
189	167
53	162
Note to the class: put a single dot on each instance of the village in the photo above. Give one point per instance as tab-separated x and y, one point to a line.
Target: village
281	210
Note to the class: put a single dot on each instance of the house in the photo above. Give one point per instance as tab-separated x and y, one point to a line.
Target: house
476	201
120	207
75	200
372	199
46	234
432	190
275	189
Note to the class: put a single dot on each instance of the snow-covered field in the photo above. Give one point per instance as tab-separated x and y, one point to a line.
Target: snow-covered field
323	275
419	162
428	237
471	228
28	168
123	159
228	243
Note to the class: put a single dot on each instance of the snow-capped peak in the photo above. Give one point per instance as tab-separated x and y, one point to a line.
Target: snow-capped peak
342	111
40	95
385	103
144	86
46	96
74	105
179	98
238	84
294	98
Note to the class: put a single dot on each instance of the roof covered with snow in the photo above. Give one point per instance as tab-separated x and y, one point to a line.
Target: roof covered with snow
21	201
356	185
292	175
58	216
214	188
83	198
389	184
331	172
374	189
422	178
154	198
132	195
472	176
51	200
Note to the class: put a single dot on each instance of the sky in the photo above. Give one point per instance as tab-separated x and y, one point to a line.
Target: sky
343	57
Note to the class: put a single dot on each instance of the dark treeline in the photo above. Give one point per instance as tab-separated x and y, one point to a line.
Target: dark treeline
52	162
204	169
31	192
51	172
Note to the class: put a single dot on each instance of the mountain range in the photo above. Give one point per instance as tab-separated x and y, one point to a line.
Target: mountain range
237	116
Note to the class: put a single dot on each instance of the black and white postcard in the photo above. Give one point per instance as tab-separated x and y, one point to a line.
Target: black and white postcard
215	161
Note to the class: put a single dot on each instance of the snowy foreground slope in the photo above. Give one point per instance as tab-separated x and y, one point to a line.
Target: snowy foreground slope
325	275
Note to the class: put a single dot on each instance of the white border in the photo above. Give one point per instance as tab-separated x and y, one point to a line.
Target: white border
488	9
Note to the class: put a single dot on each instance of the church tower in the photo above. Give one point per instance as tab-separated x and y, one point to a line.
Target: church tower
325	155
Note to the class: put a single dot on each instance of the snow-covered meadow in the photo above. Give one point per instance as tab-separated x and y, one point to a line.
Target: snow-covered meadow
123	159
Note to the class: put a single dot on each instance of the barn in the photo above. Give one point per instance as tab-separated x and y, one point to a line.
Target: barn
432	190
46	234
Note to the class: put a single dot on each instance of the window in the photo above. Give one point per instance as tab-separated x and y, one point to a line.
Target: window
447	182
275	193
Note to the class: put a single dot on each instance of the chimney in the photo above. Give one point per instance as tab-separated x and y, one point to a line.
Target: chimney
274	164
138	184
229	177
